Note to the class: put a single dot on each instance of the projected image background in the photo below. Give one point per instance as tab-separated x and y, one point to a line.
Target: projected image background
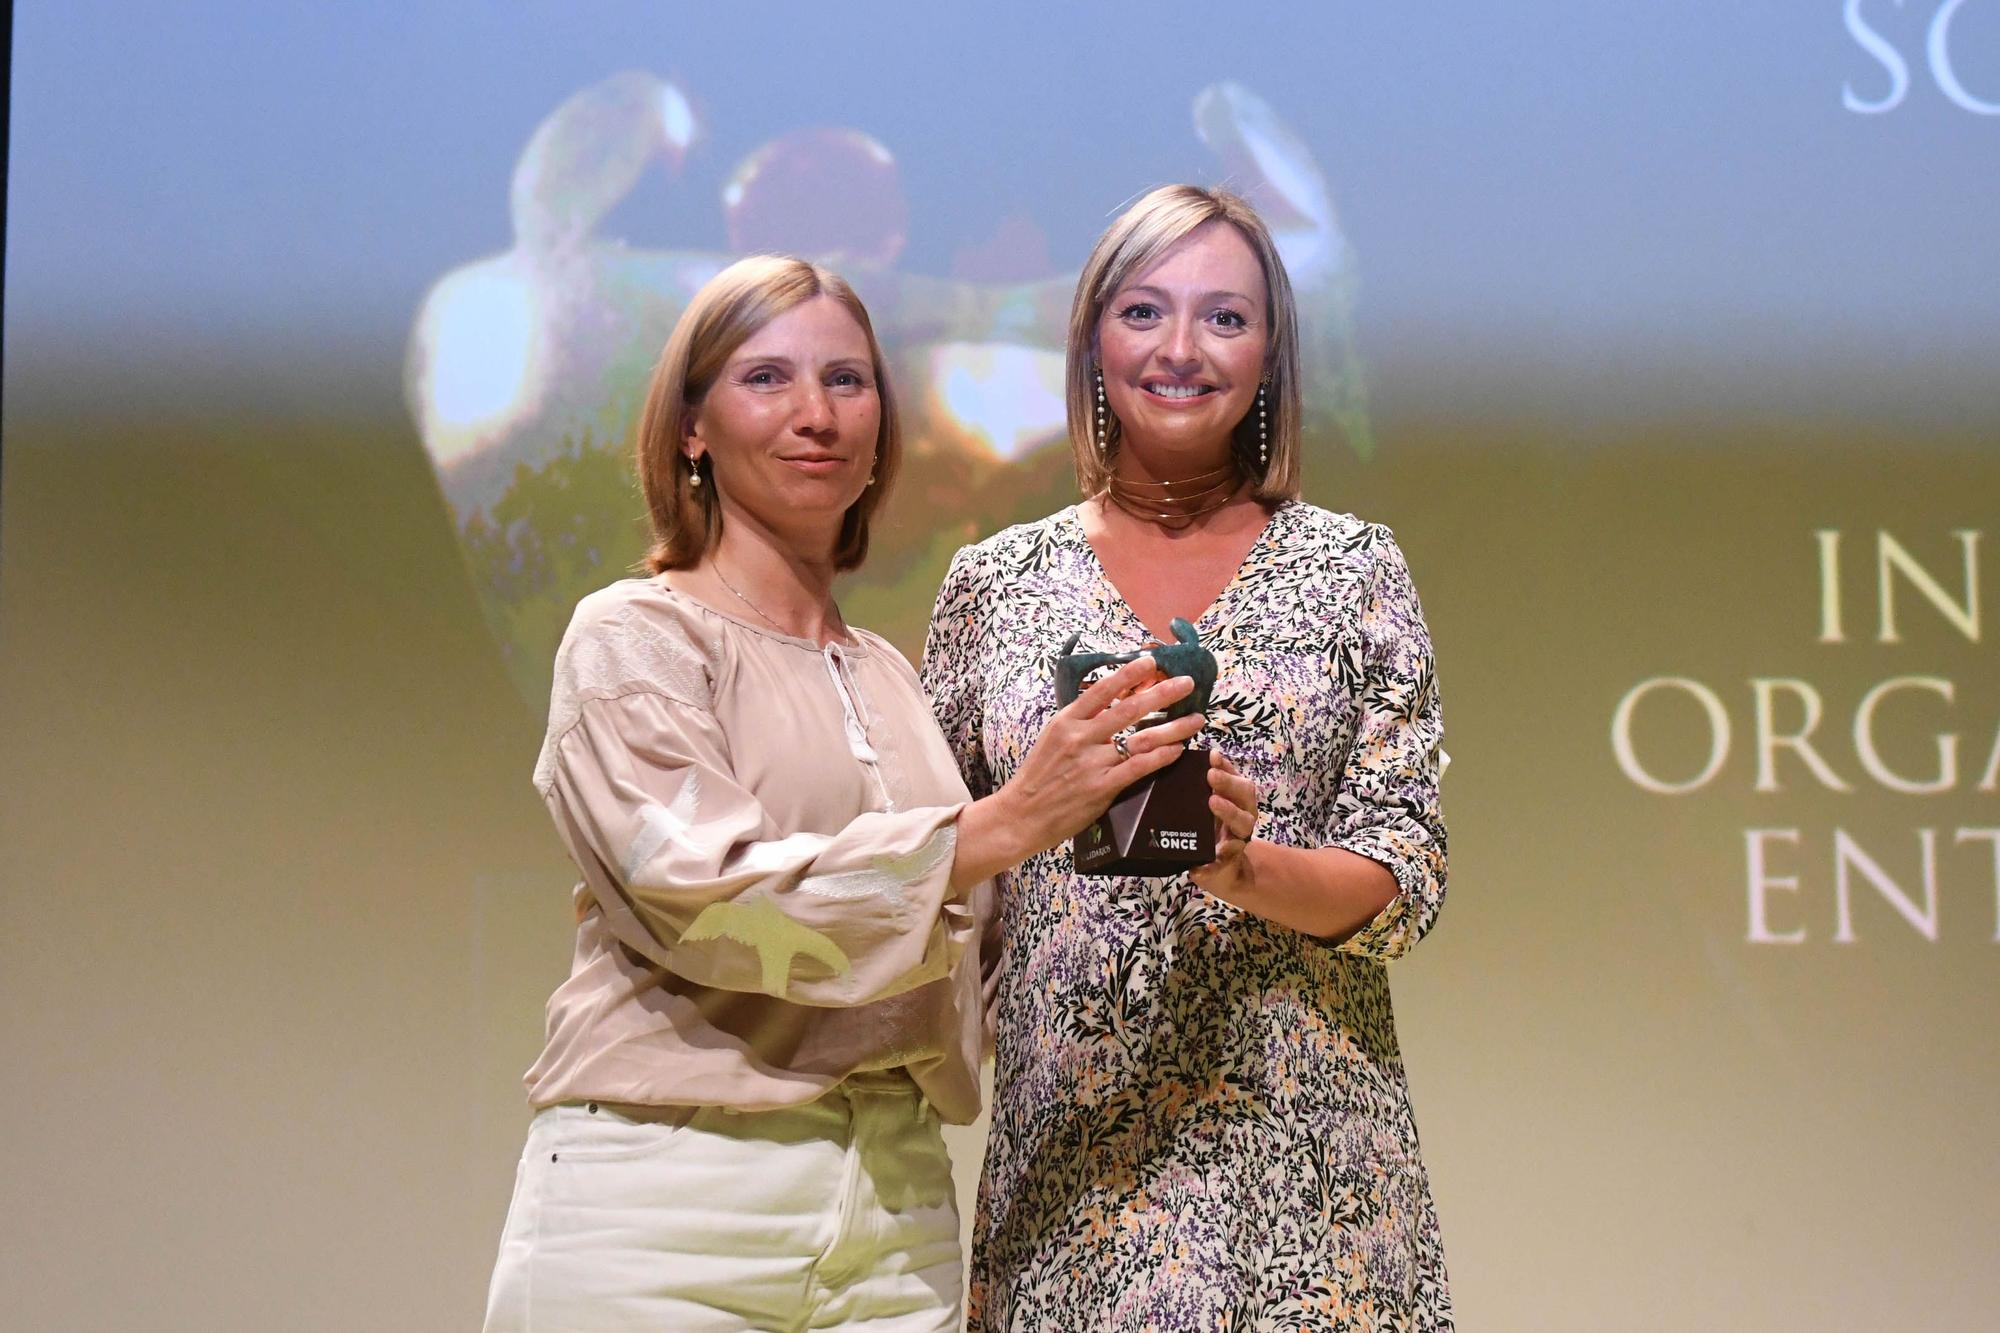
1664	340
512	355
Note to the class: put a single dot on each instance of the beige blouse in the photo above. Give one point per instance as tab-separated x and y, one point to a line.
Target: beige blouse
765	830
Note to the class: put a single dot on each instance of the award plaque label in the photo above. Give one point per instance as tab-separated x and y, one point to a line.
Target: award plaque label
1160	825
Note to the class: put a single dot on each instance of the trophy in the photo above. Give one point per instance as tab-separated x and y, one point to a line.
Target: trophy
1161	824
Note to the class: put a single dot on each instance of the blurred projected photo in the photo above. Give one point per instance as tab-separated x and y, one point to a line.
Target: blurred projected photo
525	369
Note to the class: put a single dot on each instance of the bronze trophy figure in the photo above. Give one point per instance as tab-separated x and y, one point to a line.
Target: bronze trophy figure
1160	825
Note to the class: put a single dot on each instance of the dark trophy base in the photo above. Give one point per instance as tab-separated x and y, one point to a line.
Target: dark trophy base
1158	826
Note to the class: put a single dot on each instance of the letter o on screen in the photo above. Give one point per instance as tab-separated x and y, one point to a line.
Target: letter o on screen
1938	47
1718	734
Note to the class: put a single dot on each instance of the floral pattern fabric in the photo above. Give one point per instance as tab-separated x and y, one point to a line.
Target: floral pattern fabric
1201	1119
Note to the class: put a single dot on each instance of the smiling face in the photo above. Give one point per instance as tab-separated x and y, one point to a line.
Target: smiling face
1182	346
790	425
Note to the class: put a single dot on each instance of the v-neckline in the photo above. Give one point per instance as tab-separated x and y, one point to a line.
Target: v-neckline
1074	514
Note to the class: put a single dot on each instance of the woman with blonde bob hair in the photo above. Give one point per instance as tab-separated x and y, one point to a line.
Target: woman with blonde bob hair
775	993
1200	1117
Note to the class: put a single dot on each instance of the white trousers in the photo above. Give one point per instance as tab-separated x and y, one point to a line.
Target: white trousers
837	1214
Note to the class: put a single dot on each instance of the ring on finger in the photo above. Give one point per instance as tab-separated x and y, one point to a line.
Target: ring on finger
1118	744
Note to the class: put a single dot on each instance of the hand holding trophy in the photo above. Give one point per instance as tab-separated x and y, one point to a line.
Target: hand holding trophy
1160	825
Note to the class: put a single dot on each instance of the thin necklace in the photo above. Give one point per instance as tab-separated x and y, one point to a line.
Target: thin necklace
716	565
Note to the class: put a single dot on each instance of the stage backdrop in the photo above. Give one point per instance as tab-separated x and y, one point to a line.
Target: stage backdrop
1663	335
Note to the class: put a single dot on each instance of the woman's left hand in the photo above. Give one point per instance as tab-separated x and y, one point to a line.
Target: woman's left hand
1233	798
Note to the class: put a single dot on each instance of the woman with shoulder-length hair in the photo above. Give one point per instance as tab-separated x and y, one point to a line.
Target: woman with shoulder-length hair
1200	1116
775	994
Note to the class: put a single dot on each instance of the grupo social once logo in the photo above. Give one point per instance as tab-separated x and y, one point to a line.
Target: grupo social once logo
1937	56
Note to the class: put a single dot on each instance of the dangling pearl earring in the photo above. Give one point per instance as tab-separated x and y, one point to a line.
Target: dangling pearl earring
1263	433
1100	414
694	471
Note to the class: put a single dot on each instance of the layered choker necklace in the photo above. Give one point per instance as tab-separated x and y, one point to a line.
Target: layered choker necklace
1174	504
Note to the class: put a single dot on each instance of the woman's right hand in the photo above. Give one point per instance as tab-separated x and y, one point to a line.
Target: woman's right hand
1075	769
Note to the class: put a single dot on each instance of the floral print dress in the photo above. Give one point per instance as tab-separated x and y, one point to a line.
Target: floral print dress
1201	1120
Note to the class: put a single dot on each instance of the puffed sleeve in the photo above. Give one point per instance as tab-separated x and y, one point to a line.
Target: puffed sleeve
688	867
1387	808
951	669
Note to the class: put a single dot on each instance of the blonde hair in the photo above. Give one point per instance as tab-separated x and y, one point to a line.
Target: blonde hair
730	307
1133	243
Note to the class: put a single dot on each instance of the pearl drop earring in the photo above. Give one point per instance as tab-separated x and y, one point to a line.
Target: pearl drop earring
694	472
1100	414
1263	433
